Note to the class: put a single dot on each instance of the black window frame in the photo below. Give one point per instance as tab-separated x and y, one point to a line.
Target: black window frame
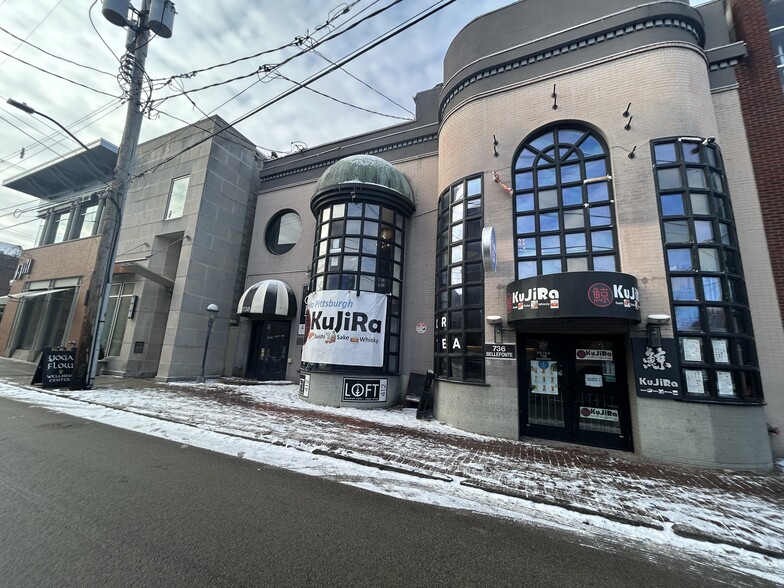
706	285
459	304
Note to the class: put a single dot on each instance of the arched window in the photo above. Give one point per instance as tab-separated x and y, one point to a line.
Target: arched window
564	213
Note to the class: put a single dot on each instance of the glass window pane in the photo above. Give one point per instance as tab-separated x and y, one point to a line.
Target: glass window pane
551	266
717	318
367	283
548	199
456	254
179	189
571	173
371	211
596	168
457	212
456	276
525	224
672	205
695	177
664	153
369	246
669	178
474	187
703	231
602	241
353	209
572	196
691	152
473	272
544	141
575	243
574	218
687	318
605	263
526	159
700	204
599	216
716	182
590	146
526	246
679	260
473	207
676	232
524	202
683	288
551	245
334	245
524	180
577	264
368	264
371	229
549	221
473	250
350	263
348	281
353	227
352	244
457	233
725	234
712	289
545	177
598	192
457	193
338	210
526	269
473	295
709	260
569	136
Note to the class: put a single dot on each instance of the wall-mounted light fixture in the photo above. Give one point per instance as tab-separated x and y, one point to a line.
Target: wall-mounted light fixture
631	153
653	329
498	327
554	96
495	145
626	112
628	125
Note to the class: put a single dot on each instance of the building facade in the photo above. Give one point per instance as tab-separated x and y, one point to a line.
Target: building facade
570	235
183	245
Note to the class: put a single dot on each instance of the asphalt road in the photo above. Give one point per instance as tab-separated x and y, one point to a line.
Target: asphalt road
84	504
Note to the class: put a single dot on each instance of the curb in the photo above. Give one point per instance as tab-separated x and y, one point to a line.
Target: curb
691	533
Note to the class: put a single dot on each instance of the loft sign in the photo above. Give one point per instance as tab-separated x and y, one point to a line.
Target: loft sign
364	390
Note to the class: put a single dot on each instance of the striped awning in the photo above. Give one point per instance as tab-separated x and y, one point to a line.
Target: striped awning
268	297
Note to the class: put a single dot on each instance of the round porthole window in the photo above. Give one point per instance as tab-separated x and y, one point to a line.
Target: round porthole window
283	232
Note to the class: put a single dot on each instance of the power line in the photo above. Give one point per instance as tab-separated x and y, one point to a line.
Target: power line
24	41
438	6
57	75
35	28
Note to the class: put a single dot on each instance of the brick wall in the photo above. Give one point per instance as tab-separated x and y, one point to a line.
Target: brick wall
762	104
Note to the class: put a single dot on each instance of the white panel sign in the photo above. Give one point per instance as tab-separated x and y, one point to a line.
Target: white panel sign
343	328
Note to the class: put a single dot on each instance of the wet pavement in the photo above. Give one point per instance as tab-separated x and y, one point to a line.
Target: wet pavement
741	509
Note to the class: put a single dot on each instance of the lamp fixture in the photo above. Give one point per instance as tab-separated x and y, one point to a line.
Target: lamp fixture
626	112
628	125
554	96
631	153
653	329
498	327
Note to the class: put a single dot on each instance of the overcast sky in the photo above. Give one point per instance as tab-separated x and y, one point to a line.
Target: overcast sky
37	37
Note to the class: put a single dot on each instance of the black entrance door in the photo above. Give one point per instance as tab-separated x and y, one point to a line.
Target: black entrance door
269	350
573	388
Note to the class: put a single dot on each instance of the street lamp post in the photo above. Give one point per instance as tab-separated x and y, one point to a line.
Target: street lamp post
30	110
212	309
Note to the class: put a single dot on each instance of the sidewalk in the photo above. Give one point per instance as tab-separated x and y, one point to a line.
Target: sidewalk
741	509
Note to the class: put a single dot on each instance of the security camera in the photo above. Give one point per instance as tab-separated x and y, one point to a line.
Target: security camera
708	141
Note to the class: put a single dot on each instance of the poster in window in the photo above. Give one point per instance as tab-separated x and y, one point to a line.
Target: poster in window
694	384
691	349
724	384
593	381
720	354
544	377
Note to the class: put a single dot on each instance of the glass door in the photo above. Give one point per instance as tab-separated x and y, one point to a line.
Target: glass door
573	388
269	350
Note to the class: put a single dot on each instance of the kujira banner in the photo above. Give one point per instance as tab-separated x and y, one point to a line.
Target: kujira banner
345	328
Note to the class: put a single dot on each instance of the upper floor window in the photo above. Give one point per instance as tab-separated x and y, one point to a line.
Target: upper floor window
283	232
76	221
176	205
711	317
459	283
564	213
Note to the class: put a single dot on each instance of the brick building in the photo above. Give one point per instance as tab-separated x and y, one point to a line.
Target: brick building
571	235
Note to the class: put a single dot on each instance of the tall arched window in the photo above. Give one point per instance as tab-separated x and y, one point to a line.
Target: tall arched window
564	214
